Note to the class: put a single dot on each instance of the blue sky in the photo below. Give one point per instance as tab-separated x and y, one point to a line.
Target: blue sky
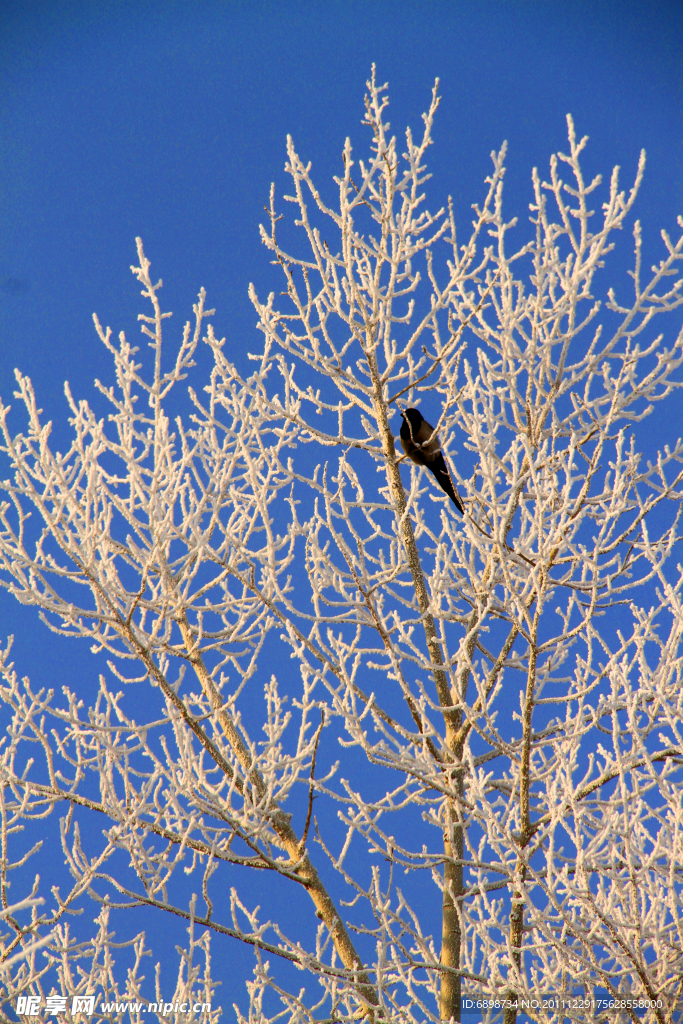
168	120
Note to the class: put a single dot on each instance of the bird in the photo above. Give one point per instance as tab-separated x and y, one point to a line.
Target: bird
422	447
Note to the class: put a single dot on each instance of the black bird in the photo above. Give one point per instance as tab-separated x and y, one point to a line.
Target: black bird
422	446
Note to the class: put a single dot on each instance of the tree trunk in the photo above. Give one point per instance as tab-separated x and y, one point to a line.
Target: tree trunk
451	984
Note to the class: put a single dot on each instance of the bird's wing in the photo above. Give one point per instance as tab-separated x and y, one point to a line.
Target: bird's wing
413	451
428	441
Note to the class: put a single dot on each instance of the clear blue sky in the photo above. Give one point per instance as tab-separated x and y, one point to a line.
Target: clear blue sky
168	120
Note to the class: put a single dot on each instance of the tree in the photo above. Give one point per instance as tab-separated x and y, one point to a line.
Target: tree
504	687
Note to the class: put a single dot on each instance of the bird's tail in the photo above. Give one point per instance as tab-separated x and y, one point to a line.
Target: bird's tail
445	481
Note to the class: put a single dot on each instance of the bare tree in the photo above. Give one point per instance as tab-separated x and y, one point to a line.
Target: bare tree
503	688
